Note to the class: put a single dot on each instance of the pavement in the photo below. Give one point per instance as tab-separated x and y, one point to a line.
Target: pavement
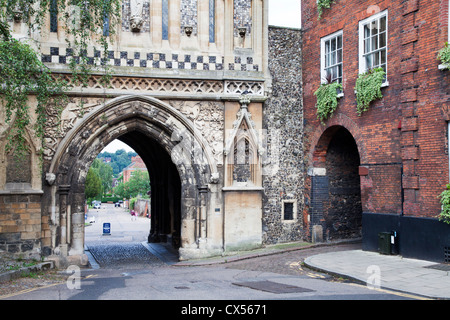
427	279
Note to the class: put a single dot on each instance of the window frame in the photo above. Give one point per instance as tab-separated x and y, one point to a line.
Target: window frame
323	67
362	23
294	211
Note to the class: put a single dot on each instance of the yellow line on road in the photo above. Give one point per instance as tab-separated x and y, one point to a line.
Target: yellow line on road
42	287
397	293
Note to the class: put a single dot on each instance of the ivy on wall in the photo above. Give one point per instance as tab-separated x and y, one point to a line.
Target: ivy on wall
327	100
445	203
22	74
323	4
444	56
368	88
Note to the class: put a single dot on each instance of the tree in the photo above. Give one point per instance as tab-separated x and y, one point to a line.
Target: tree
139	183
93	185
105	173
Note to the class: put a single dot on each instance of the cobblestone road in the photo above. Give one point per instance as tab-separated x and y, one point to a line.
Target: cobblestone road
124	255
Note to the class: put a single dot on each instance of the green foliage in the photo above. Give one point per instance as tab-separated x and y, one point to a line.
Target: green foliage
139	183
327	100
132	203
119	159
368	88
23	74
323	4
105	173
93	185
444	56
445	203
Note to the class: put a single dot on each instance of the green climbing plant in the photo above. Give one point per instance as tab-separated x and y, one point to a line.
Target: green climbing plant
445	203
327	100
23	76
444	56
368	88
89	25
323	4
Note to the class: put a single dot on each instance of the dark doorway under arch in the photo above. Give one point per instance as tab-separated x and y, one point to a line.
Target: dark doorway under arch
165	188
336	209
344	213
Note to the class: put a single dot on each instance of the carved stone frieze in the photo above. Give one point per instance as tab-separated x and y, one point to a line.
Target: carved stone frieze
208	120
58	125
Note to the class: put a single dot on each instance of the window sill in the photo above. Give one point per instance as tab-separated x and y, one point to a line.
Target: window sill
443	67
383	85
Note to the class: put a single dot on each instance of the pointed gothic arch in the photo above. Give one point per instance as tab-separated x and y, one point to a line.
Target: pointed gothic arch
151	126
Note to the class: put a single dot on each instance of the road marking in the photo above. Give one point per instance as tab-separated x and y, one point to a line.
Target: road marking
42	287
397	293
29	290
315	275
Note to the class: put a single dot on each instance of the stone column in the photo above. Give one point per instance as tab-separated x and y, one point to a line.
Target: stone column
63	191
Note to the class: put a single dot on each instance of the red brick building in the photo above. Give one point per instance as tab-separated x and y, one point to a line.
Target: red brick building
136	164
383	170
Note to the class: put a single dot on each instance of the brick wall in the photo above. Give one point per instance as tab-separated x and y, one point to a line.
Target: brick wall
21	225
405	131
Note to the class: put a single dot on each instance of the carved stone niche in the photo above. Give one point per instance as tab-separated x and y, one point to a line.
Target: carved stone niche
136	18
18	171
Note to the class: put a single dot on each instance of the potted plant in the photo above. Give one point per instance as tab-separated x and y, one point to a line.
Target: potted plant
327	98
368	88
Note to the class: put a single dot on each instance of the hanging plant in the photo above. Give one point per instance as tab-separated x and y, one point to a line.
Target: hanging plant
368	88
445	203
86	23
24	75
444	56
323	4
327	99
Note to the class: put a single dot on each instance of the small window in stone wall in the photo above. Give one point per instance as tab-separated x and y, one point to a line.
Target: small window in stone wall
18	170
289	210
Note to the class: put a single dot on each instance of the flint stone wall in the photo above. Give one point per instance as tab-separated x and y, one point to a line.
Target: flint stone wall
283	171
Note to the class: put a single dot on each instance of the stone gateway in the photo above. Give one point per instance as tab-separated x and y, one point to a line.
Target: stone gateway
210	98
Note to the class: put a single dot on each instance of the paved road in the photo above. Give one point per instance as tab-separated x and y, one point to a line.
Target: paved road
128	269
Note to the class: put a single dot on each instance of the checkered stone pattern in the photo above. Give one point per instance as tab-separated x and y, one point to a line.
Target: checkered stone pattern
243	64
140	59
153	60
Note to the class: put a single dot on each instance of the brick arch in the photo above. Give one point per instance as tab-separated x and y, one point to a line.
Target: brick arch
322	221
134	119
322	136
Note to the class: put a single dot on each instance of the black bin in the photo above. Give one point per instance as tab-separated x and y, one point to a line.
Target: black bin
384	242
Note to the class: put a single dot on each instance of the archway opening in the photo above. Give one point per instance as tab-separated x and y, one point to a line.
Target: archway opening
336	209
143	202
344	212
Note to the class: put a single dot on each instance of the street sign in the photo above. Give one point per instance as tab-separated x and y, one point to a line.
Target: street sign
106	228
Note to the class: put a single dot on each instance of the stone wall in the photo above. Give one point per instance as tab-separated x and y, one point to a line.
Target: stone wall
20	225
283	169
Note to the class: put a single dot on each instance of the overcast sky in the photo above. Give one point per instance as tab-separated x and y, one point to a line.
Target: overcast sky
283	13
